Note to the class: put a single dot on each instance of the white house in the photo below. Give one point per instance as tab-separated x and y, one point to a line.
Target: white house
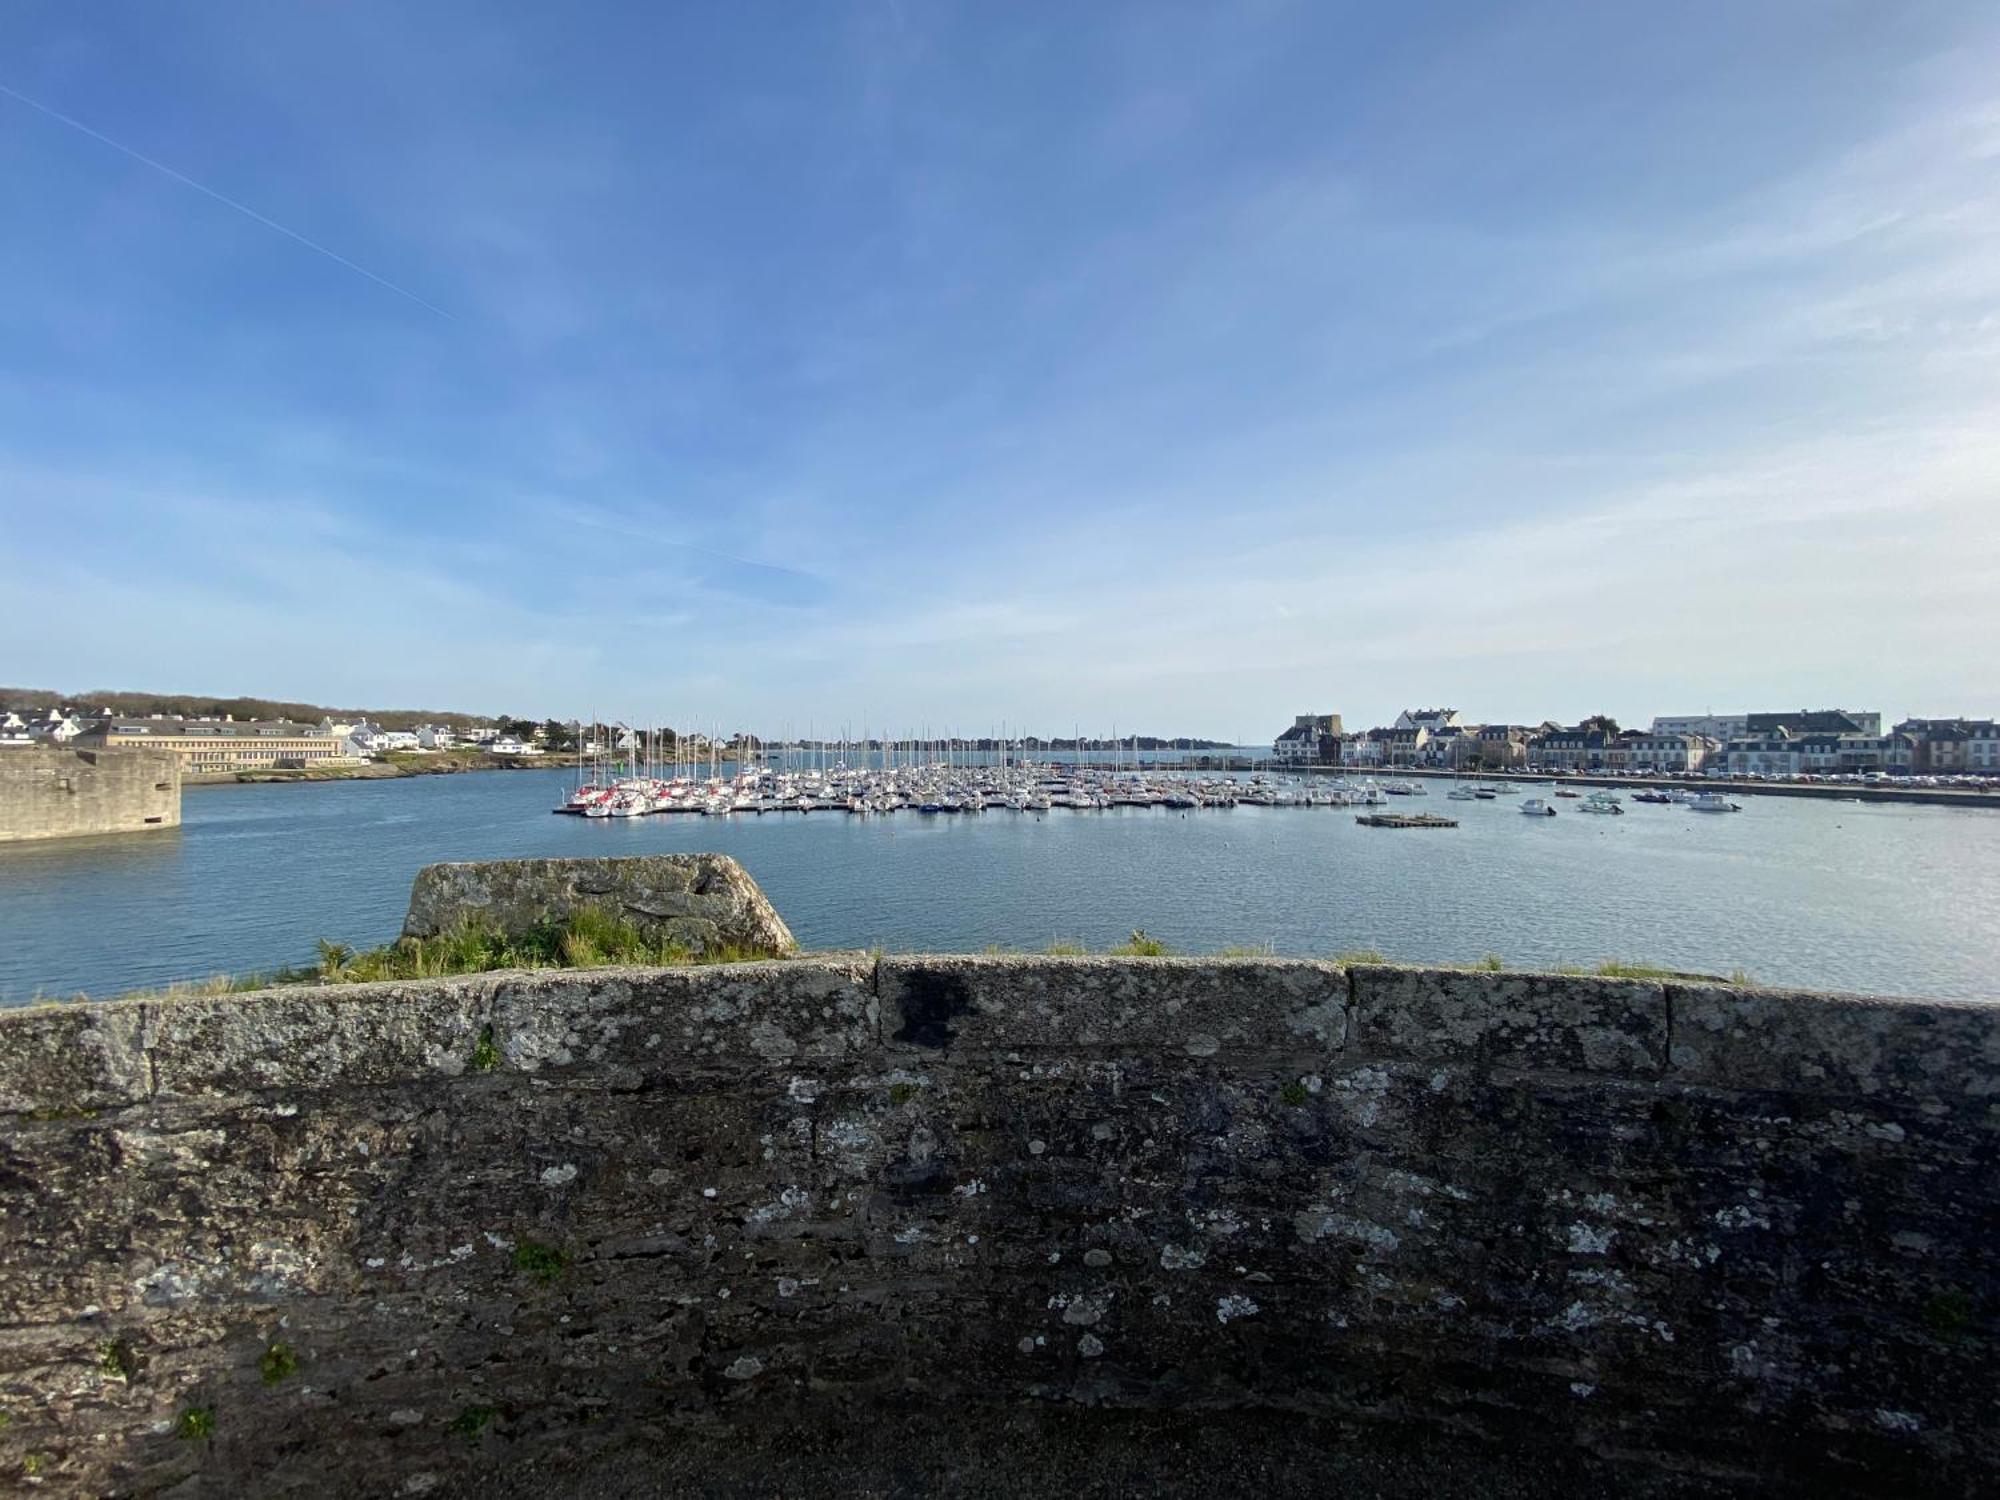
1661	752
1363	749
1764	755
360	739
1313	739
1430	720
1719	727
1982	746
56	727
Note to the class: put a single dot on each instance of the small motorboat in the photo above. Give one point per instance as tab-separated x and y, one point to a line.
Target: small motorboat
1535	807
1712	802
1603	802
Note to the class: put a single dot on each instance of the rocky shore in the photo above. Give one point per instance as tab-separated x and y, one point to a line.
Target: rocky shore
390	768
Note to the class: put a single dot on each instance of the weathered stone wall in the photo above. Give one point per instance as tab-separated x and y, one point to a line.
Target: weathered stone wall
401	1239
704	902
52	793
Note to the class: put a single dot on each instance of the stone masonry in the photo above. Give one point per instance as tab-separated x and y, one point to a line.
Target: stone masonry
53	792
403	1239
702	901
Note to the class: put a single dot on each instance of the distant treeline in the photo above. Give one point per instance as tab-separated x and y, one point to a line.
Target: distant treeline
199	705
554	734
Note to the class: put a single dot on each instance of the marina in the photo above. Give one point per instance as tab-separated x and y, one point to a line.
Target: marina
933	780
937	788
1888	898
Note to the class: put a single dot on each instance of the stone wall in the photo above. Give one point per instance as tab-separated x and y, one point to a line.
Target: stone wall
405	1238
52	793
704	903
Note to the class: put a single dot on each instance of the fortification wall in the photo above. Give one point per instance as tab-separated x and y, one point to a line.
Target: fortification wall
50	793
397	1239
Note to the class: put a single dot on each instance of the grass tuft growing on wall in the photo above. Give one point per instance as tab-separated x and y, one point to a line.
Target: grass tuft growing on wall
587	938
1613	968
196	1424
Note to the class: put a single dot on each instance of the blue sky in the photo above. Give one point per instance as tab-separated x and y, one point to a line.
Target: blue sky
1174	367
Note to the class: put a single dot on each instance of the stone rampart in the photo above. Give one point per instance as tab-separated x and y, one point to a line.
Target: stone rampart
50	792
405	1238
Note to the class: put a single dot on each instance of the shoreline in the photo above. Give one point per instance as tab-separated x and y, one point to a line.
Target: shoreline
1936	796
366	771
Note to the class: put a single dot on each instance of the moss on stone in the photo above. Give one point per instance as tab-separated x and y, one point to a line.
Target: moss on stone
473	1421
195	1424
485	1056
280	1362
543	1262
1294	1095
1948	1312
117	1360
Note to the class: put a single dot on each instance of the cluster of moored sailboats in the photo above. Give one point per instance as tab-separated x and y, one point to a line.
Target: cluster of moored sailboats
947	789
942	787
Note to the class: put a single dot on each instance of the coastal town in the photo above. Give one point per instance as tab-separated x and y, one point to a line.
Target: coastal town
1801	744
1804	744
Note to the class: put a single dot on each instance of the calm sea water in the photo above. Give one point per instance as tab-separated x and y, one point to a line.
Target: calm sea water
1902	900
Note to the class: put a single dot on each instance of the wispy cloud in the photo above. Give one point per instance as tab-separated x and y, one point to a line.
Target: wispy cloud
224	199
1180	369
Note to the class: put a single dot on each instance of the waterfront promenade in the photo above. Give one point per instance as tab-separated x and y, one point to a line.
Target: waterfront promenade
1890	792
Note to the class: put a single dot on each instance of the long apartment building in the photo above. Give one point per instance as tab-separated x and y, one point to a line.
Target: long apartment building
221	744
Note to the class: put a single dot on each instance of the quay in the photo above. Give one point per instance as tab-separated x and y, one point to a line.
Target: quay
1935	796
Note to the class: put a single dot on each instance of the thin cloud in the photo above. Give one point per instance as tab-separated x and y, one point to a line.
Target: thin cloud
249	213
773	582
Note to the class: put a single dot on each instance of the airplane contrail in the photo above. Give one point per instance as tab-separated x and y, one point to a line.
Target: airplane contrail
250	213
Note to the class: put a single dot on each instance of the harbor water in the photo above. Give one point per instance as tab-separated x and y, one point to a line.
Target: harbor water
1840	895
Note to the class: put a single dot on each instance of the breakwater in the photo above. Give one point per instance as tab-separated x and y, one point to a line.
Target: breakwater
404	1238
53	793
